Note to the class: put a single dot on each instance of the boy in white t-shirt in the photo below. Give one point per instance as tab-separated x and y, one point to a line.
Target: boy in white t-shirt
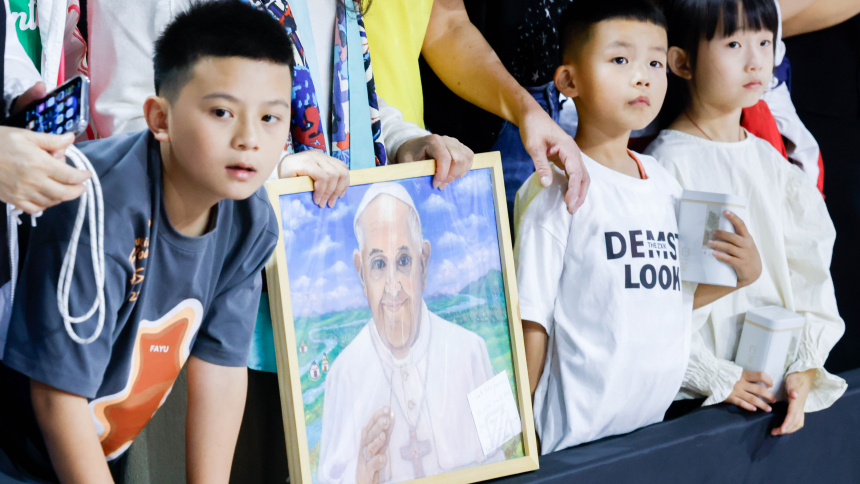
605	316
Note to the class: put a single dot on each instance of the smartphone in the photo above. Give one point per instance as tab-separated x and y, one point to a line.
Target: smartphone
65	110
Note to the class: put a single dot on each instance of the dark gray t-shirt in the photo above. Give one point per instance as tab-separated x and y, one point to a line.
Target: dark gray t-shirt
168	296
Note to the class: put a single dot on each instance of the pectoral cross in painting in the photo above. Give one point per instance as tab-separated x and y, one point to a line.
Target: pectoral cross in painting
415	450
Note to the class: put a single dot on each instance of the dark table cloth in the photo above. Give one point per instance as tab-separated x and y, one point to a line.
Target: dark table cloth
719	444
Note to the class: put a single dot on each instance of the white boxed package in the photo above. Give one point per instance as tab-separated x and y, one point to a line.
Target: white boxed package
769	343
702	214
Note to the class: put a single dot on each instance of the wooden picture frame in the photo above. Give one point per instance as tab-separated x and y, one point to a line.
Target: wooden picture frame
287	351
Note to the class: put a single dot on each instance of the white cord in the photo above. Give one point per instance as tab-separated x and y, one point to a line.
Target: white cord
92	204
13	220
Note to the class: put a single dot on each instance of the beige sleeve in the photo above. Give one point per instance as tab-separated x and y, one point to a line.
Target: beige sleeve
809	237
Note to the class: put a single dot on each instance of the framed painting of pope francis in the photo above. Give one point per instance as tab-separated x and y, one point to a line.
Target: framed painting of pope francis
397	331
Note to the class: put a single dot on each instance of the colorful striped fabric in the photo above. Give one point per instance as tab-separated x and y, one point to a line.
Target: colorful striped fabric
306	132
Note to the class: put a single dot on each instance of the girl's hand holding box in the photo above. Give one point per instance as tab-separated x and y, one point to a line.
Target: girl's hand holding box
737	250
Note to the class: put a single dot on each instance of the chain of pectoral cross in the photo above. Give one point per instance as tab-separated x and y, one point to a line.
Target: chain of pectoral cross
416	449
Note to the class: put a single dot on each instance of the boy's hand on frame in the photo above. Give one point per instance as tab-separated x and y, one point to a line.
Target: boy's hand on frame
797	386
749	393
737	250
453	158
330	175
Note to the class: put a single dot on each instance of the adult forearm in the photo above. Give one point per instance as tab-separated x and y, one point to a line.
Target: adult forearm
70	435
216	402
790	8
820	15
465	62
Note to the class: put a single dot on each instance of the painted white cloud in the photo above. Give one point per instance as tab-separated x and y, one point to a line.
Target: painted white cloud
289	236
301	284
435	203
295	214
474	184
340	210
328	299
323	246
474	228
339	268
444	278
473	220
450	239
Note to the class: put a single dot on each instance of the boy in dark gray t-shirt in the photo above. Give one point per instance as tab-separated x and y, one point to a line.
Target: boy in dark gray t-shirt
187	230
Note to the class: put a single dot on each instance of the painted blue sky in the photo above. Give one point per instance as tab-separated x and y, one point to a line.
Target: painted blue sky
459	222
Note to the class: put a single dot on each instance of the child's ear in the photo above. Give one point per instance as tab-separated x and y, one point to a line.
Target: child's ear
155	111
564	82
679	63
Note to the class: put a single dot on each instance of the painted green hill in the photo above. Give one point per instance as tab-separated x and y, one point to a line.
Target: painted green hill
490	287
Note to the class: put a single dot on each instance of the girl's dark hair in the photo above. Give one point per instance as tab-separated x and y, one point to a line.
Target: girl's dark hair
690	21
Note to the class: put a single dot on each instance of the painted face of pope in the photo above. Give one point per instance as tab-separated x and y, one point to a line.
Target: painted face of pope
392	264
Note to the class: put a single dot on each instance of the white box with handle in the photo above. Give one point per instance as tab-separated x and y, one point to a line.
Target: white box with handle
769	343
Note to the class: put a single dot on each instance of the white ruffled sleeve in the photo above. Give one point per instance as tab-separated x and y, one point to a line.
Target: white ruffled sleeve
396	131
809	237
706	374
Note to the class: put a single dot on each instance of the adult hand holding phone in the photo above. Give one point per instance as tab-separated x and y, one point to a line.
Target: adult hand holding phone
33	170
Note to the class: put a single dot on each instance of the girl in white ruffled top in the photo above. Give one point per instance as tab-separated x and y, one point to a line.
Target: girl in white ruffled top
723	65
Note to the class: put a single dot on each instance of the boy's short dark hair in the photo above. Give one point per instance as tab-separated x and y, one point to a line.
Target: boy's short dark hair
578	19
690	21
227	28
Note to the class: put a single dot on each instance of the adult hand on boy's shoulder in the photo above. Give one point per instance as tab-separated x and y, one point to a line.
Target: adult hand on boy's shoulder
453	158
330	175
545	141
797	386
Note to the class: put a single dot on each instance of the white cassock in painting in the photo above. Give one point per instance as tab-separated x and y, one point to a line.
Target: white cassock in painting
395	399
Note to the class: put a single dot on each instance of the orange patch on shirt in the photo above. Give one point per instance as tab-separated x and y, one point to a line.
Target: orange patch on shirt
160	351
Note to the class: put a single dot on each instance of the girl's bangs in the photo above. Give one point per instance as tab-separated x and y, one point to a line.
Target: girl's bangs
740	15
